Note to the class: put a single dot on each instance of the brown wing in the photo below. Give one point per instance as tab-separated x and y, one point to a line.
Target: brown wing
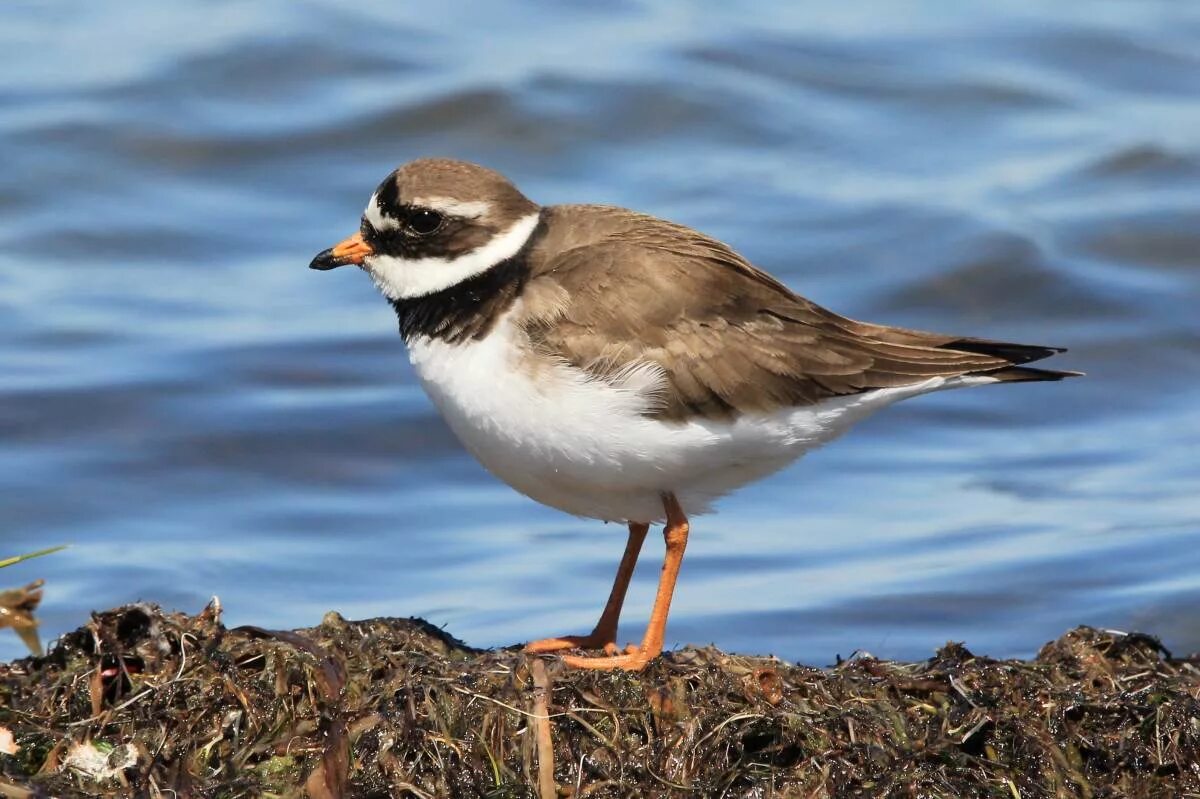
730	338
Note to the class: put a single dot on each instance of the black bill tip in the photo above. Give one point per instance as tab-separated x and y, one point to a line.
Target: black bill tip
326	260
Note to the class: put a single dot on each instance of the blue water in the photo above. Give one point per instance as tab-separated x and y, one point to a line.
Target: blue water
198	413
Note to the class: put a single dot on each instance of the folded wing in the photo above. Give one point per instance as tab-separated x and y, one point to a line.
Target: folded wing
730	339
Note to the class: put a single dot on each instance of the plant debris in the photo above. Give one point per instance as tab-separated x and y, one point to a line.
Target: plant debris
17	606
145	703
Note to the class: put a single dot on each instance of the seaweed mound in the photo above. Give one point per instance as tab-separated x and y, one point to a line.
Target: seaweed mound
145	703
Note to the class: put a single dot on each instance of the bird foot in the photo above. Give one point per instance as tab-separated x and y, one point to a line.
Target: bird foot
591	641
634	659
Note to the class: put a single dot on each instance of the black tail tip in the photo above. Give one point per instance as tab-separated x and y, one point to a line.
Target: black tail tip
1029	374
1013	353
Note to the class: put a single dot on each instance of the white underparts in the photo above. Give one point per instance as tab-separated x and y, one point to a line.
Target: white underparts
586	446
403	278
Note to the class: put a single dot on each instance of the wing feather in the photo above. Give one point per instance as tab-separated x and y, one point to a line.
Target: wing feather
728	338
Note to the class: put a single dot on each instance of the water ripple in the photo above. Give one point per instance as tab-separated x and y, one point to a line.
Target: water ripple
199	413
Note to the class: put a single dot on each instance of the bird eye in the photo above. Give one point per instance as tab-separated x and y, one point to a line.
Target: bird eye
423	221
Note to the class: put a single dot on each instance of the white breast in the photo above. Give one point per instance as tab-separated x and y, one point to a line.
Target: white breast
586	446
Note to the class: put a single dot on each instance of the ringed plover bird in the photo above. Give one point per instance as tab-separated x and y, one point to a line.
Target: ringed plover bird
621	367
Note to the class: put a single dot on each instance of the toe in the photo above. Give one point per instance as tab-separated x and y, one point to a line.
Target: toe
631	662
591	641
554	644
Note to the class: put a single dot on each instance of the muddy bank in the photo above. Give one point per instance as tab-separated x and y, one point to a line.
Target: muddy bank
145	703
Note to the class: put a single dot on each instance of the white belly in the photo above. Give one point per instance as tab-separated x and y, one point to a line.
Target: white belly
586	446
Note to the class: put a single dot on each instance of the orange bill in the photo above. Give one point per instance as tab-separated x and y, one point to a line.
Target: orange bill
350	251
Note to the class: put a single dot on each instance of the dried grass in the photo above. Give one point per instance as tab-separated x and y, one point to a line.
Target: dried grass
176	705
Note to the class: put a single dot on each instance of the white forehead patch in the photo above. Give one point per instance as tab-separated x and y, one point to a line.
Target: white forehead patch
376	219
472	209
405	278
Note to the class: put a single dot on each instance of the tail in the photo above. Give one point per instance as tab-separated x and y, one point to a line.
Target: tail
1015	354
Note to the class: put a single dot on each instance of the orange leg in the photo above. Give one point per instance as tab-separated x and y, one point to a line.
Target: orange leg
604	636
636	657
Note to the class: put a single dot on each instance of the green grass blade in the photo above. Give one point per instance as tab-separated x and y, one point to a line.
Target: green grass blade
38	554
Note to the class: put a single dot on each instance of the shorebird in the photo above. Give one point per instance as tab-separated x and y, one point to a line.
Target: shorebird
622	367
